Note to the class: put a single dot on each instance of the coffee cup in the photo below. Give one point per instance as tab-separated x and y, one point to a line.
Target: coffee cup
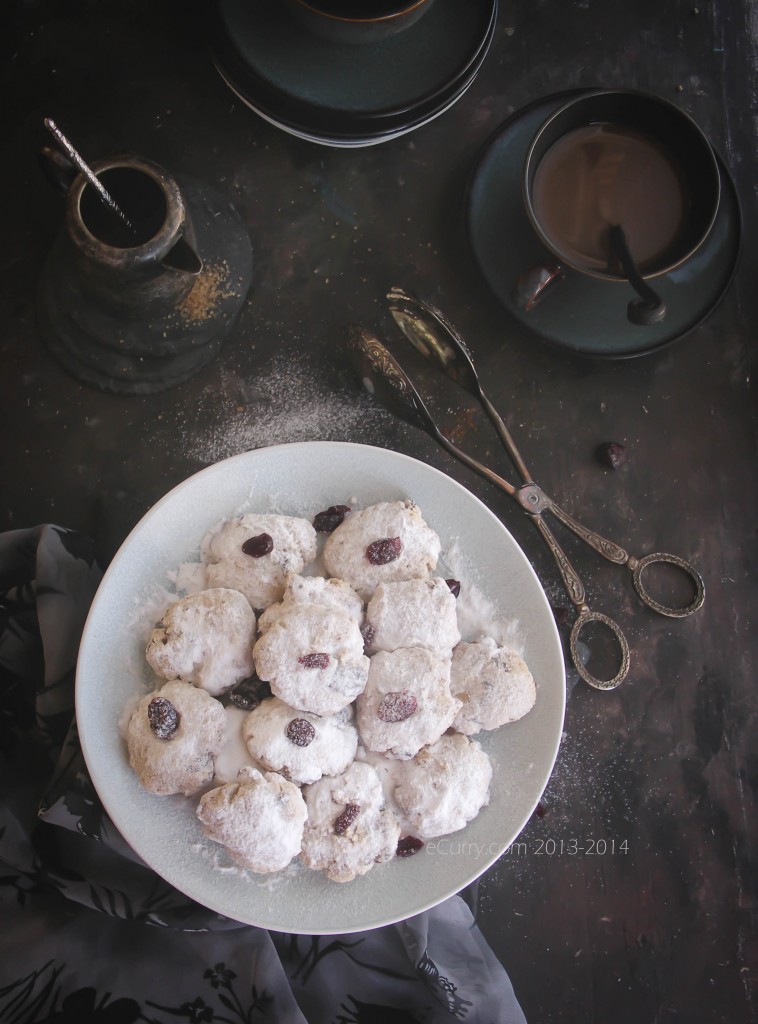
621	187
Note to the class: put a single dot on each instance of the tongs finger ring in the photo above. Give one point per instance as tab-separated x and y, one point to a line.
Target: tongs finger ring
638	566
585	617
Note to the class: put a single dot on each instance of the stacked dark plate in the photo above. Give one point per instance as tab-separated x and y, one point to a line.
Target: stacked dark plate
340	94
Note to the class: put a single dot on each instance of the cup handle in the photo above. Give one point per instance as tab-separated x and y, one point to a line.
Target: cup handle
531	287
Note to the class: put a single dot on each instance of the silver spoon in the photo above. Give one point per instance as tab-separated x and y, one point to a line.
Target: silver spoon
87	171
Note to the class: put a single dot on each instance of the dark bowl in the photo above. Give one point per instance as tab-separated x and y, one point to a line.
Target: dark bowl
372	21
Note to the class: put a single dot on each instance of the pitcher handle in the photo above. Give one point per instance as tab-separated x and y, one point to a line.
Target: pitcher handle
57	168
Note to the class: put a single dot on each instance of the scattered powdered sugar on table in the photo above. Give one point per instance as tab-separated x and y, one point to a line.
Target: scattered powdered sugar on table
284	404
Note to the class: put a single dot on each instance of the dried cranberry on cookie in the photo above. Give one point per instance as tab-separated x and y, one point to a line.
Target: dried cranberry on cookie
173	737
380	544
255	554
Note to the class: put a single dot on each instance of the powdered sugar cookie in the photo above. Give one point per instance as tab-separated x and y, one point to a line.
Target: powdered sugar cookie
300	746
444	786
259	819
173	737
348	829
407	702
329	593
255	553
206	639
413	613
379	544
312	657
493	684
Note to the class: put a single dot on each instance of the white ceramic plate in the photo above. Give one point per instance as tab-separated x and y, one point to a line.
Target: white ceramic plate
302	479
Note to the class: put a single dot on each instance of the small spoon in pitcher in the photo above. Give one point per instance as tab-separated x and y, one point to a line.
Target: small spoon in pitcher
87	171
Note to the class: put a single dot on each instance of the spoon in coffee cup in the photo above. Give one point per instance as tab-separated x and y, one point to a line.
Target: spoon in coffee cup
649	308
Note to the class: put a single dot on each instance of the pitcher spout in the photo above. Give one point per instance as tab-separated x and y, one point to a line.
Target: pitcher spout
182	258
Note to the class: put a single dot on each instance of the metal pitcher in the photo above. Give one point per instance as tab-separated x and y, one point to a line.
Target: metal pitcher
139	307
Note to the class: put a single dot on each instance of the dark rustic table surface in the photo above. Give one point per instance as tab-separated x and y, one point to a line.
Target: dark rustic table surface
631	895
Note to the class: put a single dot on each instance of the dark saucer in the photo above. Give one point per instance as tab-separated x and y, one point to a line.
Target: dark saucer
581	314
333	90
371	137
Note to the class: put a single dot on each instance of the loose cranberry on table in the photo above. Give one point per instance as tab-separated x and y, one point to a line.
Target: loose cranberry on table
613	455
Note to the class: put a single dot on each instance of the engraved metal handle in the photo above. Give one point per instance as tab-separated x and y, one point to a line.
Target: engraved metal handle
571	581
603	546
615	553
576	592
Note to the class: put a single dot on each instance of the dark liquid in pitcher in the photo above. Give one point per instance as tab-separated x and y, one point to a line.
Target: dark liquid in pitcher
138	195
601	175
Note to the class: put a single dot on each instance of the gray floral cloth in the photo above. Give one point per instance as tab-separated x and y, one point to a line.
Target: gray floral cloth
90	933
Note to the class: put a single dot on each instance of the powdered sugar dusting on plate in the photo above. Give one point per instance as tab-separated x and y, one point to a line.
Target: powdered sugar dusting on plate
188	579
220	860
234	754
477	615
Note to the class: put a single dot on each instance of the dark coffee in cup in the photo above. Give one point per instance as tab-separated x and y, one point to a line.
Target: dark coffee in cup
604	174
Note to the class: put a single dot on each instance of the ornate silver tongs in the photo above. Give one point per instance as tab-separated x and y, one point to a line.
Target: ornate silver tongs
439	341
